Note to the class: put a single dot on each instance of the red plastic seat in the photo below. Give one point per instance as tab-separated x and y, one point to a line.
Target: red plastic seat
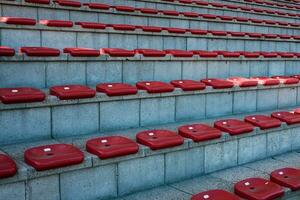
65	92
188	85
198	31
217	5
92	25
247	54
117	52
159	139
255	35
205	54
237	34
116	89
263	122
282	36
150	52
8	167
245	8
124	8
155	29
111	147
218	33
21	95
6	51
155	86
258	189
82	52
215	195
39	51
285	54
201	3
266	80
68	3
287	117
270	11
233	126
186	1
286	79
208	16
175	30
38	1
228	54
217	83
269	22
258	10
53	156
56	23
243	82
268	54
99	6
287	177
199	132
241	19
148	10
18	21
122	27
170	12
283	23
226	18
179	53
296	76
190	14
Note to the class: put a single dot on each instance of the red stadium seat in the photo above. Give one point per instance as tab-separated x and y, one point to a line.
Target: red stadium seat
198	31
218	33
39	51
233	126
262	121
179	53
247	54
287	177
258	10
217	5
286	79
117	52
188	85
201	3
21	95
208	16
269	22
284	36
244	8
243	82
258	189
175	30
228	54
68	3
234	7
150	52
124	8
215	195
155	86
65	92
122	27
38	1
8	167
205	54
155	29
91	25
226	18
111	146
99	6
148	11
6	51
241	19
266	81
170	12
237	34
217	83
268	54
56	23
190	14
255	35
186	1
287	117
285	54
82	52
53	156
159	139
116	89
18	21
199	132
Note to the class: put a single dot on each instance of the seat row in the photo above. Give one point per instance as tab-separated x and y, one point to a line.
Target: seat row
194	15
156	29
60	155
66	92
257	188
118	52
270	3
71	3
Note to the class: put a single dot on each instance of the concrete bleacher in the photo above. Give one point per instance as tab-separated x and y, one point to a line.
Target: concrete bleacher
211	164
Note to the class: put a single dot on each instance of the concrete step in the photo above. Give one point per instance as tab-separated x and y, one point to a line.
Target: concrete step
223	180
18	71
125	175
64	118
16	36
112	16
